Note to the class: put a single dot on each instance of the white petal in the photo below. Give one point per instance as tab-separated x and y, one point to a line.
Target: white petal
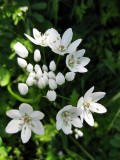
98	108
75	112
81	69
26	133
73	46
77	122
88	93
36	34
55	50
88	118
80	103
13	126
67	128
96	96
32	39
84	61
37	127
79	53
59	123
25	109
37	115
67	37
13	113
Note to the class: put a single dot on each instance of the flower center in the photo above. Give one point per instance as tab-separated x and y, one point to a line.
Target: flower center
26	119
86	104
61	48
66	117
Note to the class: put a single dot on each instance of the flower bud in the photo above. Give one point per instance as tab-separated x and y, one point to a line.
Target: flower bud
30	81
70	76
52	66
21	50
32	74
23	88
45	68
51	75
51	95
60	79
41	83
38	74
29	67
45	78
52	84
37	55
21	62
37	67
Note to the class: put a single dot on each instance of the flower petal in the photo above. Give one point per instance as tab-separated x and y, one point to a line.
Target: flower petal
25	109
37	115
73	46
88	93
75	112
67	128
88	117
67	37
37	127
79	53
81	69
80	103
14	113
13	126
32	39
77	122
26	133
84	61
59	123
98	108
36	34
96	96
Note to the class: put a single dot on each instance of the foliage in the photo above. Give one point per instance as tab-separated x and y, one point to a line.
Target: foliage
96	22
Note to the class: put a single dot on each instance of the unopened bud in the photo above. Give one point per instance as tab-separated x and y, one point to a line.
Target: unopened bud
45	68
30	81
21	62
41	83
70	76
37	55
52	66
23	88
60	79
21	50
51	75
51	95
29	67
52	84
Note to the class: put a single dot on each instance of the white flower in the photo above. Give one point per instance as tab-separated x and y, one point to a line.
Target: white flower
52	84
29	67
22	63
37	55
76	62
51	95
88	104
52	66
39	39
21	50
67	117
23	88
70	76
26	120
63	45
60	79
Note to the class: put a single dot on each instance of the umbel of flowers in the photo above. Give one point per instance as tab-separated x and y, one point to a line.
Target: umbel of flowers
46	76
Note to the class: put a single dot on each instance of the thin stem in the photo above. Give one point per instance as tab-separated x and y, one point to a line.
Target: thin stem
44	58
64	97
82	148
58	60
113	121
18	97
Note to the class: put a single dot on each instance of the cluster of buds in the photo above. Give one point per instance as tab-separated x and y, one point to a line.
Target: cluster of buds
43	76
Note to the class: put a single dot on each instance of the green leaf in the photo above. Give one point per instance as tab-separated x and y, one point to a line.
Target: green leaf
38	17
4	77
39	6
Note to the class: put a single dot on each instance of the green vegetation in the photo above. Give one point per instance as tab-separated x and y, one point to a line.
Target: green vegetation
97	23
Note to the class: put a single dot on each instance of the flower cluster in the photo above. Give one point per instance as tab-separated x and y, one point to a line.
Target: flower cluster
46	76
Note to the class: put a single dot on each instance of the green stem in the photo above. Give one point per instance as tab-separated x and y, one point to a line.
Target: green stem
82	148
18	97
58	60
64	97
